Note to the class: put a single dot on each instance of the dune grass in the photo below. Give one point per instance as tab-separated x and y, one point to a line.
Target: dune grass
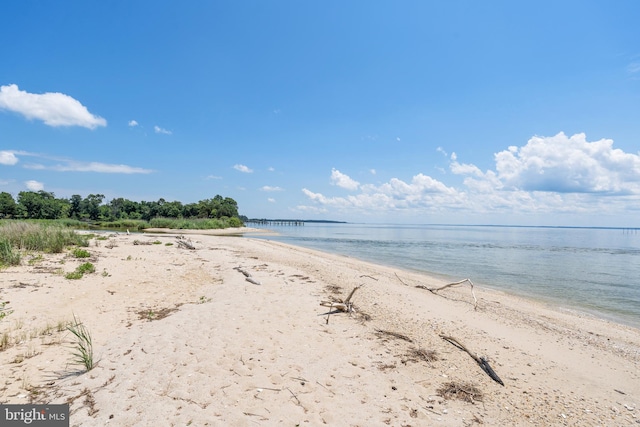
16	236
83	353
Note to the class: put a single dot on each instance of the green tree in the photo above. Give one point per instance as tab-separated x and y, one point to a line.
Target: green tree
75	207
8	206
91	206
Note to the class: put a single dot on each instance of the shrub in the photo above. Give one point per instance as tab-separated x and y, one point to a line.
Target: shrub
80	253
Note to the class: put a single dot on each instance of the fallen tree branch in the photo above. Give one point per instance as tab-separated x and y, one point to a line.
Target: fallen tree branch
345	306
434	290
248	276
482	361
185	244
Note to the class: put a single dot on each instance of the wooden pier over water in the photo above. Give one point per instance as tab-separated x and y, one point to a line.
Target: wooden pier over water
270	222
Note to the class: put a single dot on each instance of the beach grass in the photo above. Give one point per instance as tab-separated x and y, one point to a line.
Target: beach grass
40	236
83	353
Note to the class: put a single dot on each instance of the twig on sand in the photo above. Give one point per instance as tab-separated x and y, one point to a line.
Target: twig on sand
434	290
345	306
294	396
482	361
394	334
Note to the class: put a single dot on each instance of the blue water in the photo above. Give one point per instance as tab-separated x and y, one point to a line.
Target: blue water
595	270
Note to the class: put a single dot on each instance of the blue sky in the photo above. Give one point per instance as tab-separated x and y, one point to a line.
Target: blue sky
494	112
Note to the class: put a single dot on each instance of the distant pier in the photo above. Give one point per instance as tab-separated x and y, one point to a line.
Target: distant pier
270	222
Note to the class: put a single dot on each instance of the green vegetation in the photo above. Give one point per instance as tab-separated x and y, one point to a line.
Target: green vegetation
83	354
3	310
80	271
16	236
80	253
78	212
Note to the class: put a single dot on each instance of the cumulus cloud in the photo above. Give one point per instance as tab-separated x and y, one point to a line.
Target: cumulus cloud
268	188
158	129
54	109
133	123
557	174
343	181
569	165
34	185
271	200
242	168
8	158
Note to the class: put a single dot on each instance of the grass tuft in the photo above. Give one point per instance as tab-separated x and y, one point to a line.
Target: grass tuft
83	354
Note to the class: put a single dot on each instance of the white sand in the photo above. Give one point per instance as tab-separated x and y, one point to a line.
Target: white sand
234	353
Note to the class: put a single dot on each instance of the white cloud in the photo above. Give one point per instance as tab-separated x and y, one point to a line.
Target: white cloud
343	181
372	171
34	185
569	165
270	189
73	166
242	168
548	175
213	177
158	129
54	109
271	169
60	164
133	123
441	150
271	200
8	158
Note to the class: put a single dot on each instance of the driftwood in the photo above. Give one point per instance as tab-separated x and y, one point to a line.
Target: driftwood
248	276
345	306
434	290
185	244
482	361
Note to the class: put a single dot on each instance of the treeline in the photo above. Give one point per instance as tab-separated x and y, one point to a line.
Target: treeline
44	205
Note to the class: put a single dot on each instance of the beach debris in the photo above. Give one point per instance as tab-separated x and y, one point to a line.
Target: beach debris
480	360
247	275
186	244
394	334
434	290
467	392
340	306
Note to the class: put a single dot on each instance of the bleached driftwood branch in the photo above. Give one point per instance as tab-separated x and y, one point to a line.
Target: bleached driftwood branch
434	290
345	306
482	361
248	276
185	244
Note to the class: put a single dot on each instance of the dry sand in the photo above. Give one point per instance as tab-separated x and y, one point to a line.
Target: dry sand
181	338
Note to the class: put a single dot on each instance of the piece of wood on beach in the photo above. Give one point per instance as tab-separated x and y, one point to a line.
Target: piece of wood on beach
434	290
345	306
185	244
482	361
247	276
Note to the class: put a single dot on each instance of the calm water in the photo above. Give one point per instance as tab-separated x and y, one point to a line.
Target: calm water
589	269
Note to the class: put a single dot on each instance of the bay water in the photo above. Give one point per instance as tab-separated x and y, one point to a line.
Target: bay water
592	270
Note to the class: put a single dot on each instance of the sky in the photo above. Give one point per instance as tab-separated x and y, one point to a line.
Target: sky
456	112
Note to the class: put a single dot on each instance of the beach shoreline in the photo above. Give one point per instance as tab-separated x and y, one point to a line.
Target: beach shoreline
181	335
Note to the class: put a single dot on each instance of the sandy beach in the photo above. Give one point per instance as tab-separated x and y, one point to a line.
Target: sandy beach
181	337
